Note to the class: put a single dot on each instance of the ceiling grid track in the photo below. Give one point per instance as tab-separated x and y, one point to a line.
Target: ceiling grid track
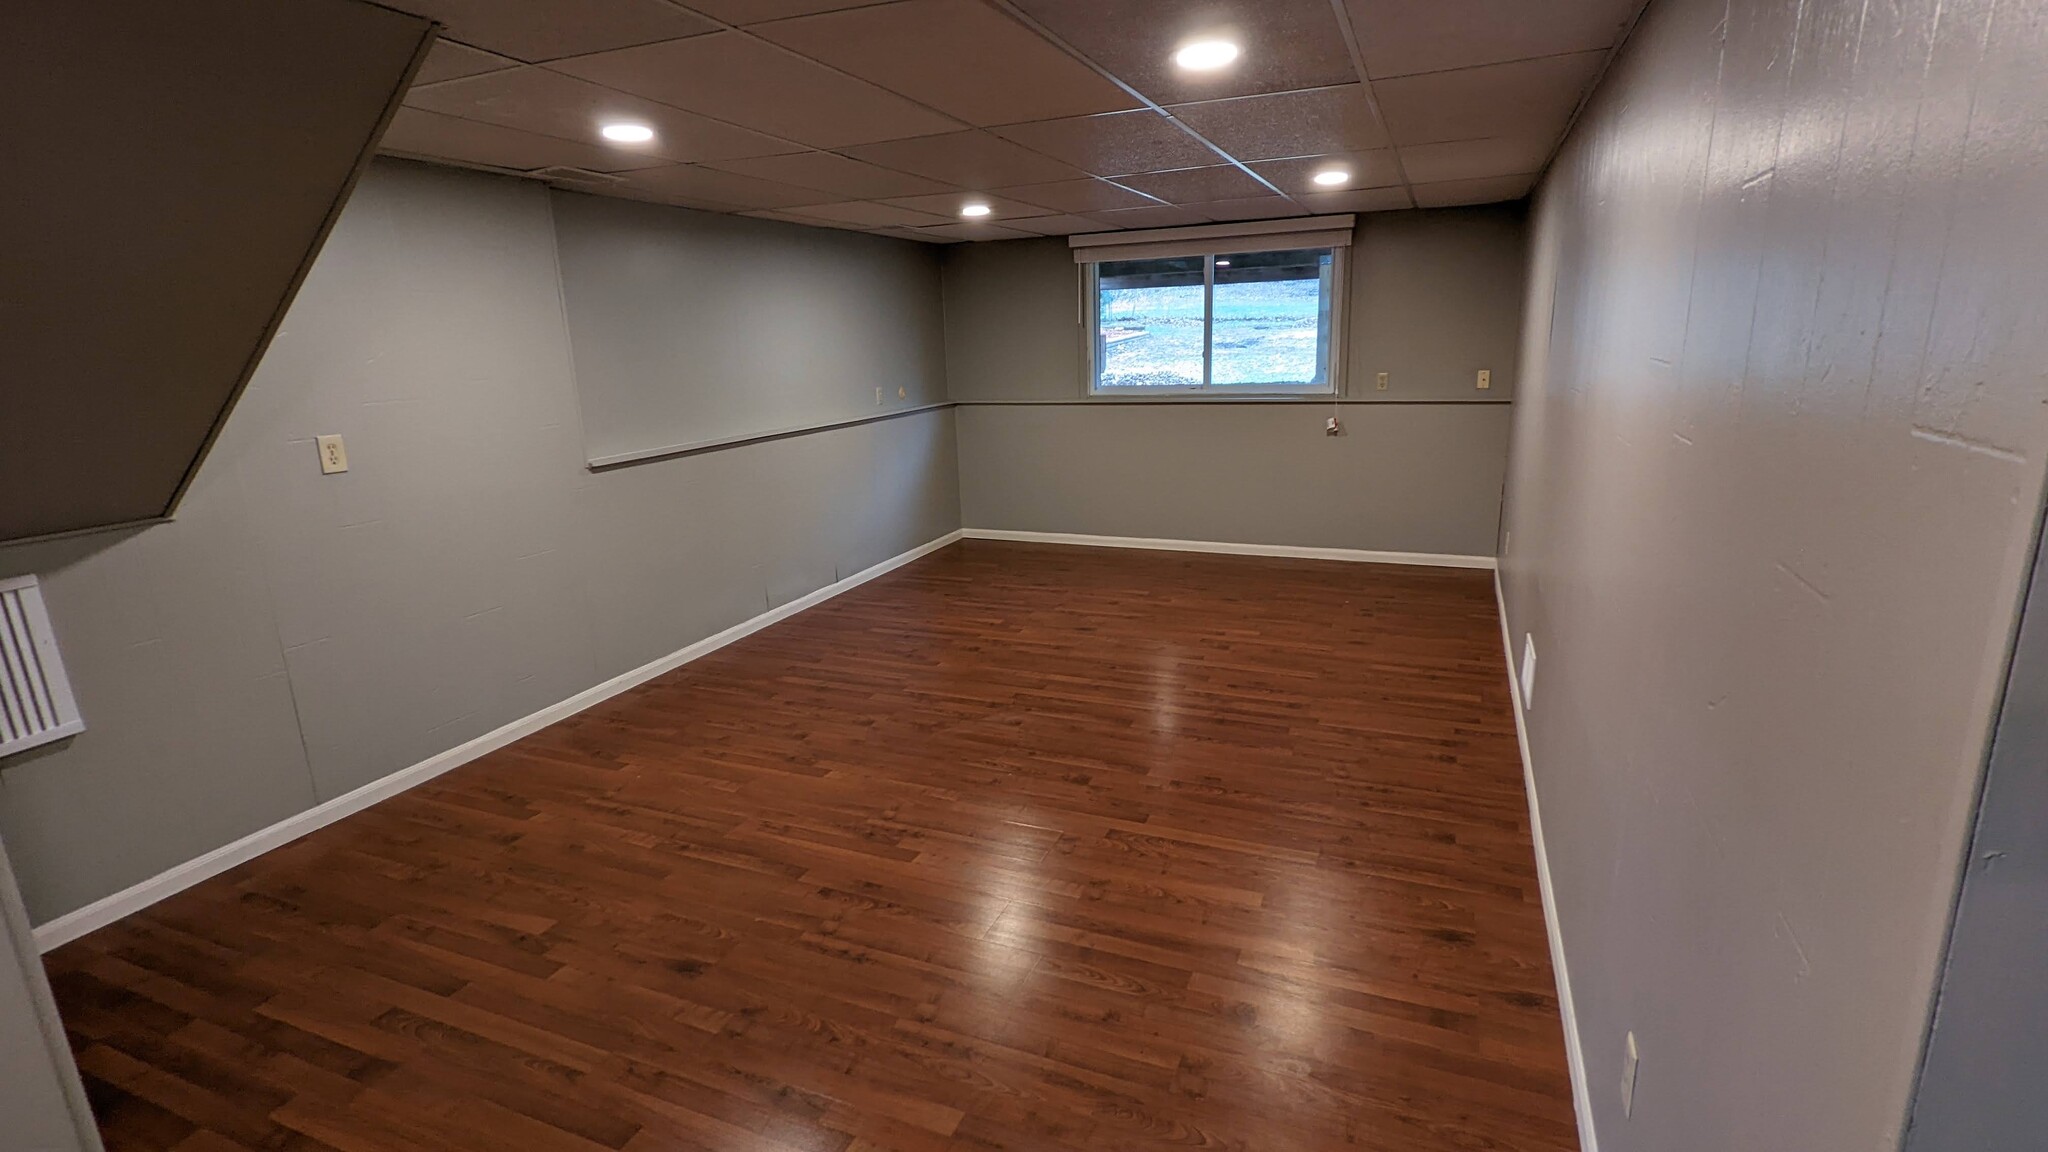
944	121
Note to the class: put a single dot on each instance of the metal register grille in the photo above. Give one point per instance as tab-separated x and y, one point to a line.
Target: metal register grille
36	706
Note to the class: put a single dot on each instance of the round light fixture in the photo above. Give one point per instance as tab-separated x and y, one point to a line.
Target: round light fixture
1205	55
1330	177
627	133
976	210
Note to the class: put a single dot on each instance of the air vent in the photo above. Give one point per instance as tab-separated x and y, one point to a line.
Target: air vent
566	174
35	699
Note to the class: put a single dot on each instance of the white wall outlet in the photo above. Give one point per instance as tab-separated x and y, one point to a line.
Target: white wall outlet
1628	1077
333	455
1485	378
1528	670
878	397
1381	382
902	393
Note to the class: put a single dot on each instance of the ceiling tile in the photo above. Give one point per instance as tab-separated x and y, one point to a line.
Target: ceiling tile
745	81
1078	196
756	11
914	234
533	30
1198	185
1113	145
448	60
949	204
830	172
1286	44
414	132
871	215
625	191
967	60
1338	119
1375	169
966	159
1250	208
1487	190
1525	98
1473	159
537	100
708	186
1401	37
788	217
974	232
1062	225
1157	216
1358	200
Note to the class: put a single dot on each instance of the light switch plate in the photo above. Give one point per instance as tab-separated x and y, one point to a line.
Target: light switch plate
333	455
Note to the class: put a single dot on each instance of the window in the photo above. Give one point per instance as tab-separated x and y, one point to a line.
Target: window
1234	318
1151	323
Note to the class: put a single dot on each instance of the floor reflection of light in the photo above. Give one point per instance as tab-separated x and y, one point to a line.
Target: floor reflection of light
1164	678
1312	907
1003	887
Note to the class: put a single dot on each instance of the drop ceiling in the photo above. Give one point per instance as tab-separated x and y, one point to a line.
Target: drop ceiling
1063	116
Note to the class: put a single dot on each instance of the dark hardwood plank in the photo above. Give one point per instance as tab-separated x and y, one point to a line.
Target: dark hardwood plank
1020	847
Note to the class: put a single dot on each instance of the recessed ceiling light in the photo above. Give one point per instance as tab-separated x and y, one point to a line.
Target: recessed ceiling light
976	210
1331	176
627	133
1205	55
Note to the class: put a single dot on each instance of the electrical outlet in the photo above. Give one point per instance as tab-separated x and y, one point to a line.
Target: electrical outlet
333	455
1485	378
1381	383
878	397
1528	670
902	393
1628	1077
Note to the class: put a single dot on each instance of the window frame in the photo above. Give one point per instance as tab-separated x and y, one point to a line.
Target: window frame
1333	303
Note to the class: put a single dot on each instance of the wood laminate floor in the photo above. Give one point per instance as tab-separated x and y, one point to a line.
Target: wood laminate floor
1020	847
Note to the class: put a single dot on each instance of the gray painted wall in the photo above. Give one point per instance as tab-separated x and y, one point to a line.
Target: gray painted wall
1434	296
1775	468
292	636
1405	477
692	326
1980	1087
1013	325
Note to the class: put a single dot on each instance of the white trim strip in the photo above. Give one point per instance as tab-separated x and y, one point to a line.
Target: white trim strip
100	913
1223	232
1355	555
1165	250
642	455
1575	1056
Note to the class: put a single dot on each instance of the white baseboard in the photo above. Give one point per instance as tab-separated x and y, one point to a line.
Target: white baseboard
1355	555
1575	1055
100	913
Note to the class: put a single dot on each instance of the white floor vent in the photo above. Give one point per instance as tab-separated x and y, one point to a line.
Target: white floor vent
35	699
